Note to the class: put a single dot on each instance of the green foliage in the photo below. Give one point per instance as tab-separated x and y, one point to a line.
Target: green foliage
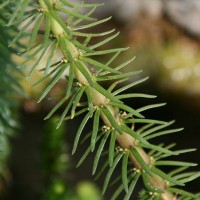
56	165
10	89
113	120
54	150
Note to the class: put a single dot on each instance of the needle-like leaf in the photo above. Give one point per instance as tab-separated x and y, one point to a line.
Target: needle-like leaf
126	108
99	65
76	22
51	57
78	134
62	117
70	79
177	171
54	80
21	32
132	186
182	192
129	86
160	149
187	177
107	51
83	69
120	76
19	10
174	163
77	113
121	66
104	41
135	135
150	107
112	147
163	133
46	77
66	3
166	177
47	28
177	152
46	48
145	132
112	120
146	121
117	192
104	92
113	85
140	160
110	172
58	19
95	129
124	171
92	35
74	14
90	101
61	102
76	101
101	170
4	4
134	95
35	30
99	151
92	24
84	156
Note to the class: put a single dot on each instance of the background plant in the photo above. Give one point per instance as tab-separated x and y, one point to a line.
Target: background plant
119	122
10	89
56	165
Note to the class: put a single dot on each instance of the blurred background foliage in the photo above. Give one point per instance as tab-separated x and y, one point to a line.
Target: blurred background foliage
165	37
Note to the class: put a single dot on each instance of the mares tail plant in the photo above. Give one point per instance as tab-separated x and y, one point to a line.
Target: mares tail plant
60	40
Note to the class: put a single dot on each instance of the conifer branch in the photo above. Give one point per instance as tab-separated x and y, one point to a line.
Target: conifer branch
119	119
